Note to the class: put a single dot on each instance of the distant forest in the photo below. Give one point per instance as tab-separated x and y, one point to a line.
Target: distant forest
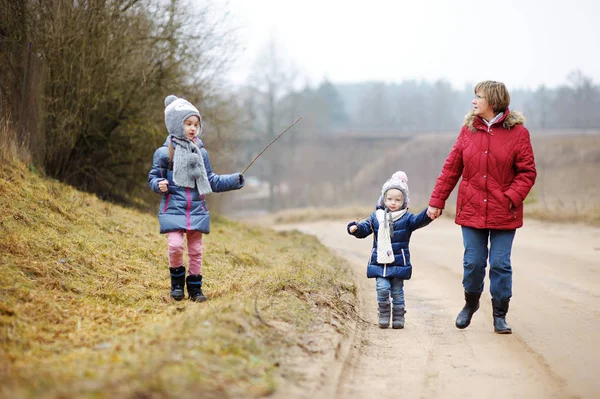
413	106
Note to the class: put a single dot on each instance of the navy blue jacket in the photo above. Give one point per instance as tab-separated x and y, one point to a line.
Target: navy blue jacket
402	230
183	208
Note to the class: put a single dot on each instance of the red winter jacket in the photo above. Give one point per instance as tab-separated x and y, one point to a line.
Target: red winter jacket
496	166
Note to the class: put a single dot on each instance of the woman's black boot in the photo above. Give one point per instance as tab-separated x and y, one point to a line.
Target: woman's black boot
500	309
194	287
471	305
177	282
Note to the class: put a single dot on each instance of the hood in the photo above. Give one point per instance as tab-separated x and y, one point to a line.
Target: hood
509	120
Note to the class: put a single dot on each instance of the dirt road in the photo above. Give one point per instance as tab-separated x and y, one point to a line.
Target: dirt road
554	351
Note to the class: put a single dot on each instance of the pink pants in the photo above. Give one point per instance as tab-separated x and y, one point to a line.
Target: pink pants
194	244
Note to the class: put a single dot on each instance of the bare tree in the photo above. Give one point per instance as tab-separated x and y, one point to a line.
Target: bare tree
108	64
272	79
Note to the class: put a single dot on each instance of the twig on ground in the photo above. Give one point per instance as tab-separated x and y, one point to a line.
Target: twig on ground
258	314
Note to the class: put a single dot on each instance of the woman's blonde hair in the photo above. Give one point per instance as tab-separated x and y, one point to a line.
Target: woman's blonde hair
496	94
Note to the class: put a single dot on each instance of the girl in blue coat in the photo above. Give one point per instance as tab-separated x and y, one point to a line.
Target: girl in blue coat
182	174
392	225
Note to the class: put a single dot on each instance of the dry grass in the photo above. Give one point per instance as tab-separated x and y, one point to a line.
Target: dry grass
85	308
313	214
9	148
559	212
588	216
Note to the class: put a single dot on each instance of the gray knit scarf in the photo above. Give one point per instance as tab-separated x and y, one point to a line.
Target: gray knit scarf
188	166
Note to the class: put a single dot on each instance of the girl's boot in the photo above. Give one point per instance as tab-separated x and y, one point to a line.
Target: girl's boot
194	287
500	309
177	282
384	314
398	317
471	305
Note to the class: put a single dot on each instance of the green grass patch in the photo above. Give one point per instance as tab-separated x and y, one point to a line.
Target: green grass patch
85	309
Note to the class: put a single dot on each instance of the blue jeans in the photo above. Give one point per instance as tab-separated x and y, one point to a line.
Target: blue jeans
387	287
476	256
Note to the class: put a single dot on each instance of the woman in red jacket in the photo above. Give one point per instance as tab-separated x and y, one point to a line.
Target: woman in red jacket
493	155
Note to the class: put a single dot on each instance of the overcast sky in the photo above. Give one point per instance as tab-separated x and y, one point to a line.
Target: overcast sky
524	43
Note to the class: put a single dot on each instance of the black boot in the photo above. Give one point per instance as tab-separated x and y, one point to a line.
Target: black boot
471	305
398	317
500	309
194	287
177	282
384	314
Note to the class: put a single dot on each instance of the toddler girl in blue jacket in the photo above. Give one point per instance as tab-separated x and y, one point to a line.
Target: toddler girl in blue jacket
182	174
392	225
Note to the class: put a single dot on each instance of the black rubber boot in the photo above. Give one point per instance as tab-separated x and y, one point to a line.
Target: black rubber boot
471	305
177	282
384	314
398	313
194	288
500	310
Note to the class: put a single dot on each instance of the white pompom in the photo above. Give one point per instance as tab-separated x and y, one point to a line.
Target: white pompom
400	175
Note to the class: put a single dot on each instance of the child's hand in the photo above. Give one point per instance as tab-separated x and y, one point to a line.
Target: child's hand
434	212
353	228
241	179
163	186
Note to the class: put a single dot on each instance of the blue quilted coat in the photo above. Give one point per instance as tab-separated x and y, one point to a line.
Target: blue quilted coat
402	230
183	208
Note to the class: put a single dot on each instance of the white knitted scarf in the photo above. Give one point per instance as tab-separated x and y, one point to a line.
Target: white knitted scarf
385	254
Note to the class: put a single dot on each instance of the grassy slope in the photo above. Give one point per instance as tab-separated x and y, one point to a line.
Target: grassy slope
84	304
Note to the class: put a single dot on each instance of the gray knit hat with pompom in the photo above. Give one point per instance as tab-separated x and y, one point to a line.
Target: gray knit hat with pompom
177	110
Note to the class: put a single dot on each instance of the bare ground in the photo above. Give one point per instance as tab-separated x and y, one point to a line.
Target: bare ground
554	351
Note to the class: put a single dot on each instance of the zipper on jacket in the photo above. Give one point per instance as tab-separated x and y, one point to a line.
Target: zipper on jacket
189	208
384	269
403	257
459	210
166	203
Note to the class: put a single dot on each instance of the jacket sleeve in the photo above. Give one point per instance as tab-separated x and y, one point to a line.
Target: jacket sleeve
158	171
221	183
526	172
451	172
365	228
417	221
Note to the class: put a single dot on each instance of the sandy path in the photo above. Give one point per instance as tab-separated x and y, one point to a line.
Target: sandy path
554	351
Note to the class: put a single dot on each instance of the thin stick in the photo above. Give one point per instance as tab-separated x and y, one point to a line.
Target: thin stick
275	139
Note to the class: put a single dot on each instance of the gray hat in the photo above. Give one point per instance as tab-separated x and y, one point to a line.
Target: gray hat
399	181
177	110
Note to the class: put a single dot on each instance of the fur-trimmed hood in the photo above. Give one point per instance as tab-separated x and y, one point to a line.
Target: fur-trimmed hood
509	120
